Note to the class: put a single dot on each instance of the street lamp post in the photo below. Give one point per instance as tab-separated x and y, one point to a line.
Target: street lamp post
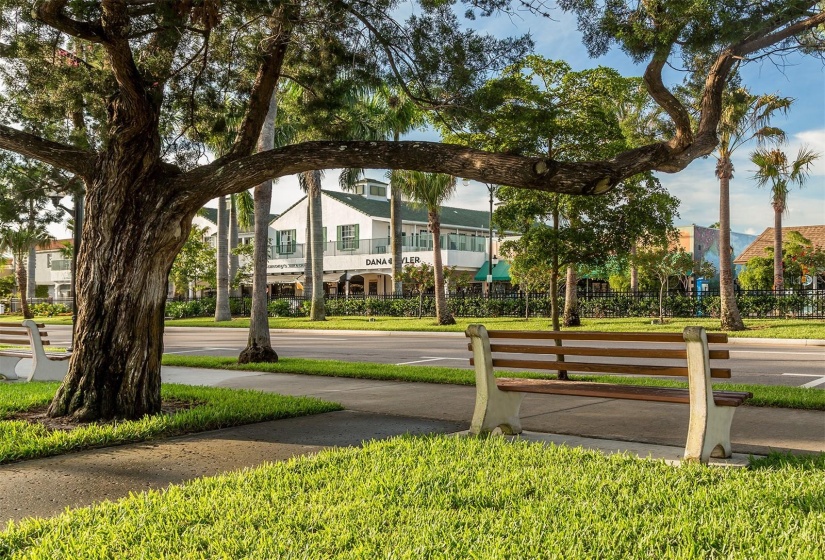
492	190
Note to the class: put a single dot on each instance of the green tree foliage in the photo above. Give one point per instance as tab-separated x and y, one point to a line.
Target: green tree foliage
531	277
800	257
418	279
195	264
661	262
541	107
758	274
774	169
17	240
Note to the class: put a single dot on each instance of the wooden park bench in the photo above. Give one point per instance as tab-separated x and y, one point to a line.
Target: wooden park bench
46	366
498	400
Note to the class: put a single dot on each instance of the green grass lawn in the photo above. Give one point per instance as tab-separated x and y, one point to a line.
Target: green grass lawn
757	328
450	497
213	408
763	395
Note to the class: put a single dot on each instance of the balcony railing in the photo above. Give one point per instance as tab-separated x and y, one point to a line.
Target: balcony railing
381	245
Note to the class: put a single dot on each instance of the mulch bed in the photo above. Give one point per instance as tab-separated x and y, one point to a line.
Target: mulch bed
37	415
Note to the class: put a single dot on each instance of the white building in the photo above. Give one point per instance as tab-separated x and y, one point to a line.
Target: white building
53	269
357	254
357	243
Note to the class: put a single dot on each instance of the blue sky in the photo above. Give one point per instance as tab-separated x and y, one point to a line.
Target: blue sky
802	78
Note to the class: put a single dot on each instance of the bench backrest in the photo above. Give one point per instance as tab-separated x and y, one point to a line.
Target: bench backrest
18	335
546	350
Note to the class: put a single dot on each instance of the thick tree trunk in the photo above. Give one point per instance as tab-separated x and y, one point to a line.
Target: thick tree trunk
634	270
316	229
729	315
259	345
133	231
778	271
571	301
233	244
442	314
222	312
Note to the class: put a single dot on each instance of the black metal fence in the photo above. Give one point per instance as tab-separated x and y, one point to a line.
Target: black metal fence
752	304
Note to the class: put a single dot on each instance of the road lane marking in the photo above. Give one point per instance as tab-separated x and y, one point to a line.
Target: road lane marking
418	361
429	359
814	383
198	350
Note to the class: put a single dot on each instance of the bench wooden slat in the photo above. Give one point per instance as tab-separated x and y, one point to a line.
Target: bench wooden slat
19	326
609	352
601	390
591	367
713	338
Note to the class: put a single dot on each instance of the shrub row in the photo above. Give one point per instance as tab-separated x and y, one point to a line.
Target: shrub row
605	305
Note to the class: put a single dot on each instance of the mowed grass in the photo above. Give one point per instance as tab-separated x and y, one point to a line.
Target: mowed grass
763	395
212	408
756	328
452	497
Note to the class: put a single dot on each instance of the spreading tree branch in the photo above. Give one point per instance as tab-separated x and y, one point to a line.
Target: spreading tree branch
265	82
595	177
74	160
51	13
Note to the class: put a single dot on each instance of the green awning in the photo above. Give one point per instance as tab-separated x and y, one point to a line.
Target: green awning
501	272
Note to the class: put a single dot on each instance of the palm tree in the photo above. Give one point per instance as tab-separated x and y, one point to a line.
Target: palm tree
774	168
222	311
241	215
18	242
259	344
744	117
314	248
431	190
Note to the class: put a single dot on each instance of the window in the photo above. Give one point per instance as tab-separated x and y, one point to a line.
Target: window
348	237
377	190
285	241
462	242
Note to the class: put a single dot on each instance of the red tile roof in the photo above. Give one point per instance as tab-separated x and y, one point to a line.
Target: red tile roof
757	249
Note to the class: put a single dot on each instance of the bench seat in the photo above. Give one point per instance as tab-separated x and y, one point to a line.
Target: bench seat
608	391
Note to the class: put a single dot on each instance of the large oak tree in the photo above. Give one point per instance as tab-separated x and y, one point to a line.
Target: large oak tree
119	93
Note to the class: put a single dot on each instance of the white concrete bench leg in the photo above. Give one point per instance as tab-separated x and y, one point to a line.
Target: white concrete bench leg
709	428
494	408
43	368
7	366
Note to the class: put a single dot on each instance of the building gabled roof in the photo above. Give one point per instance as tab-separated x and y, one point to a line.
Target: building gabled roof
54	245
450	216
757	249
211	214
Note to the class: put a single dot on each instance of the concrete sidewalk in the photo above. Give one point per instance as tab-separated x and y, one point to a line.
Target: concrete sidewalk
375	409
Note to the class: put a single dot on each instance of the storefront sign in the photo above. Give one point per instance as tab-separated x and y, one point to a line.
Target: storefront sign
388	261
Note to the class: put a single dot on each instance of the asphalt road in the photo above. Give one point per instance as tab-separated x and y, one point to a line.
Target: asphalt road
768	364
